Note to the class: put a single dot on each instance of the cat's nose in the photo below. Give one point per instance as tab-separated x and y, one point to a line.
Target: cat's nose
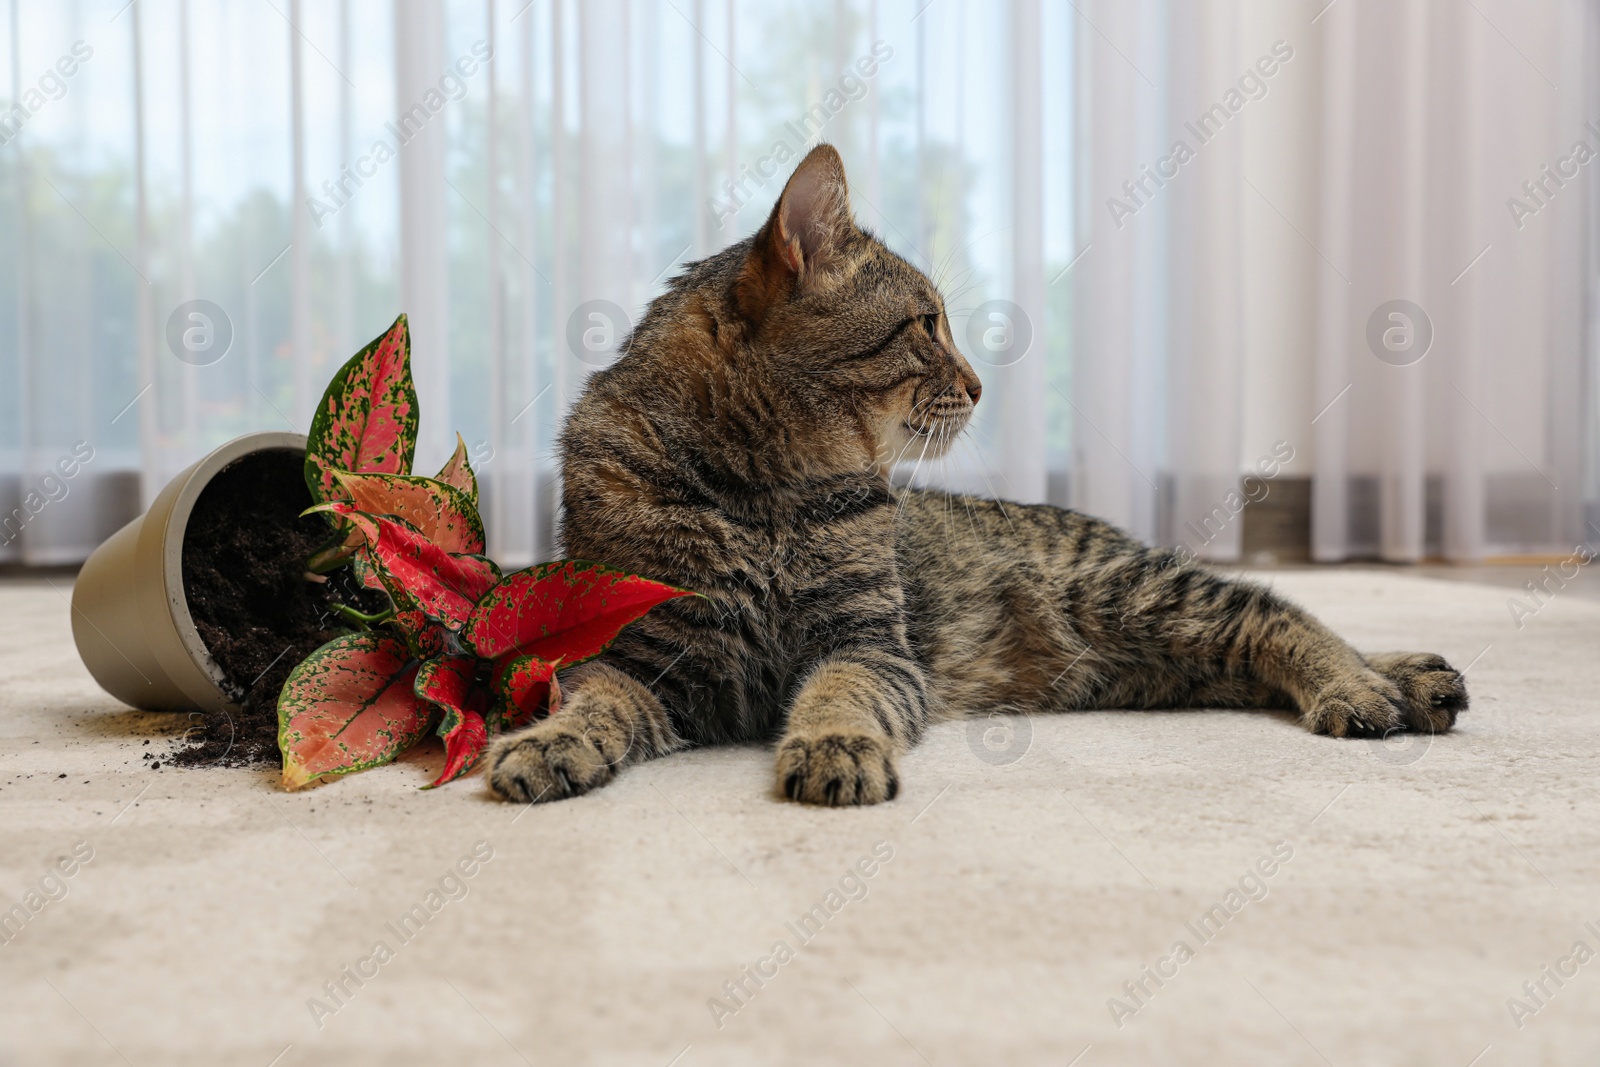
966	377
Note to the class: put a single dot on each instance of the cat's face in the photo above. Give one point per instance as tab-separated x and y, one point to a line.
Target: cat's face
852	327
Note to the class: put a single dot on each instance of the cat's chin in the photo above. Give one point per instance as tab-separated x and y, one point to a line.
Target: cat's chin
930	441
899	440
902	446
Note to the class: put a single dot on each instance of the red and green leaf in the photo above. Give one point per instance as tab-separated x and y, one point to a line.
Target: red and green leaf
367	419
466	743
417	572
425	638
521	686
439	511
569	611
366	571
348	706
446	682
458	472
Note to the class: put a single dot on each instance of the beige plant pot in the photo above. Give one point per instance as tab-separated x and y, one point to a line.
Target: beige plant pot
130	618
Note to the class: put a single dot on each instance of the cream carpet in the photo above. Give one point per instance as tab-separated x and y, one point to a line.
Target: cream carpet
1337	902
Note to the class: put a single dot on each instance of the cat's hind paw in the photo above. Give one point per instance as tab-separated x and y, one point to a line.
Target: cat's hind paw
1366	704
1435	692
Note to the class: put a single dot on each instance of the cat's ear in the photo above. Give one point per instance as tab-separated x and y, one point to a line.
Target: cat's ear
803	236
811	220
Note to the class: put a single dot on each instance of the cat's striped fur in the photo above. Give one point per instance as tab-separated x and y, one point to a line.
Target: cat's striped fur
741	448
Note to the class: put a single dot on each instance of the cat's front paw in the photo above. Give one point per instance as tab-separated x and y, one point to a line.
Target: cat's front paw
837	767
1435	692
551	760
1365	704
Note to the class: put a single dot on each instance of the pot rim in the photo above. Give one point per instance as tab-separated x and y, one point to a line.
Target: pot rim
176	527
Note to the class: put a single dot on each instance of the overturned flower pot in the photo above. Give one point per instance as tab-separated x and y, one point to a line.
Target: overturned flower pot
203	603
317	599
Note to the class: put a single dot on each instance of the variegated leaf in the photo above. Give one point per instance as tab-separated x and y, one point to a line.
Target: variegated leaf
366	571
569	611
458	472
418	573
520	688
348	706
446	682
438	511
425	638
367	419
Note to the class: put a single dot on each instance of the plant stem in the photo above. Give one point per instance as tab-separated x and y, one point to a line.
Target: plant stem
328	561
363	621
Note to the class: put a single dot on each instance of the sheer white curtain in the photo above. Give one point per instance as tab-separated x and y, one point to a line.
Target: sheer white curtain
1158	385
1439	114
1336	158
520	178
1151	322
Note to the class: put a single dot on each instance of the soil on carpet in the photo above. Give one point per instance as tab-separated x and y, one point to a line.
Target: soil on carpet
244	576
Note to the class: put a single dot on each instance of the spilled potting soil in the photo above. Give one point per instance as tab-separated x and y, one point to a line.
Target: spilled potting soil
244	576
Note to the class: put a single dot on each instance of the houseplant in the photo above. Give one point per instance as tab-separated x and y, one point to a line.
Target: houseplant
459	648
279	556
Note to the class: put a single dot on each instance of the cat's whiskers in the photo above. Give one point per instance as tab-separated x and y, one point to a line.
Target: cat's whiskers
950	505
963	286
982	432
951	429
971	519
911	483
901	455
983	472
947	425
920	431
945	263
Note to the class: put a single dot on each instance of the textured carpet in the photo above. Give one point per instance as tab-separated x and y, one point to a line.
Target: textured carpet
1336	902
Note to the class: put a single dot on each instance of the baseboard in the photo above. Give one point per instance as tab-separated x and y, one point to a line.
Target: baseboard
1277	528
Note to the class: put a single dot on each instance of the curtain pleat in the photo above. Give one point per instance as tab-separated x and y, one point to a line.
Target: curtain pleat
424	217
1019	387
1204	268
1120	294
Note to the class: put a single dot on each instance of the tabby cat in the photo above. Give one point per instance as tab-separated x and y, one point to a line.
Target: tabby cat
741	448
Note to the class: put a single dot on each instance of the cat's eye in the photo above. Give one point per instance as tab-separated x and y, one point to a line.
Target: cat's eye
931	324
